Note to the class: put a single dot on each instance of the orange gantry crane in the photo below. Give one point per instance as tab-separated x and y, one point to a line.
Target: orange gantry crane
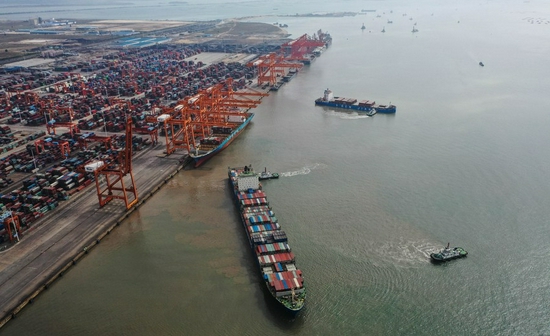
12	225
195	116
40	145
5	99
31	97
52	125
84	139
271	66
114	173
298	49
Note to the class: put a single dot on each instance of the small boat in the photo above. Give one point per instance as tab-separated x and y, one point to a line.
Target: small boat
449	253
414	30
363	27
267	175
384	30
481	64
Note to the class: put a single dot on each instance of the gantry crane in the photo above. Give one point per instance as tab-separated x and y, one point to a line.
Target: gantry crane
63	145
296	50
195	116
271	66
12	225
114	173
178	129
52	125
107	141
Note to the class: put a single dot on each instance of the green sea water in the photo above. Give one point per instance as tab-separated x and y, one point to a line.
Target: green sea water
364	200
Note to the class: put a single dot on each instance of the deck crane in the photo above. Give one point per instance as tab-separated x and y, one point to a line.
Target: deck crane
114	173
271	66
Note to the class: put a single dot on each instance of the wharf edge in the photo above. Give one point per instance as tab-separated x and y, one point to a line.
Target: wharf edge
58	272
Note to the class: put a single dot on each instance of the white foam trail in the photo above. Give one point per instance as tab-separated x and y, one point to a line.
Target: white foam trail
347	115
304	170
407	253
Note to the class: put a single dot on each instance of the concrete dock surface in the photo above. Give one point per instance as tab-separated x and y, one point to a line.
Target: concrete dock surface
65	234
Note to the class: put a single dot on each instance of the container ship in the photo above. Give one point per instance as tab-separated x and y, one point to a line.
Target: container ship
267	241
220	138
351	104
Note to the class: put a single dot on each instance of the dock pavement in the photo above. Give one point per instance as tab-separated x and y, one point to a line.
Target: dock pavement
66	234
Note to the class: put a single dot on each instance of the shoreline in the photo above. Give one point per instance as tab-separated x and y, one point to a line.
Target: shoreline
29	287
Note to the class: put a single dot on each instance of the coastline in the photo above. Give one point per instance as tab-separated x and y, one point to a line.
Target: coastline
31	274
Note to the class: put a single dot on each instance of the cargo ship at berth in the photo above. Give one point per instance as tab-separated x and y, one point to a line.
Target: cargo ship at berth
267	240
368	106
220	138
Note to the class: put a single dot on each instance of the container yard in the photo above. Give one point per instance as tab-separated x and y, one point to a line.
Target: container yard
83	138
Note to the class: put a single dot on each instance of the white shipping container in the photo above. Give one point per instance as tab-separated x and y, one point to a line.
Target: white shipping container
92	167
234	118
163	117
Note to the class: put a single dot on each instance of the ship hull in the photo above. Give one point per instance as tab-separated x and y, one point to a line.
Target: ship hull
278	300
355	107
202	158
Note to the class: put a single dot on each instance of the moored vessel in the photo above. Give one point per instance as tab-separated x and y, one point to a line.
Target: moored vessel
268	242
367	106
219	138
449	253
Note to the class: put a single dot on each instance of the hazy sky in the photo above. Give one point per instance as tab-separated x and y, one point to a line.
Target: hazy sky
107	2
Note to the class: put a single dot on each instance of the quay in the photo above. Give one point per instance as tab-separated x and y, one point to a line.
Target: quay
134	88
69	233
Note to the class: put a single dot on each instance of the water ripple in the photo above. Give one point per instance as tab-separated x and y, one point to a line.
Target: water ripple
347	115
304	170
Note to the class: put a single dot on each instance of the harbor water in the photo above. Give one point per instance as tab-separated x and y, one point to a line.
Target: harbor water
364	200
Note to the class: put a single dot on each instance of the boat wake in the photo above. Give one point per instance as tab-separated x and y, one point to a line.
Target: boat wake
304	170
407	253
347	115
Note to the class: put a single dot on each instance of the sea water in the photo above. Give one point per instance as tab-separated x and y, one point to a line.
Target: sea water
364	200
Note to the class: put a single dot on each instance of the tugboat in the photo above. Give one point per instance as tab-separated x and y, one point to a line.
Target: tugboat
266	175
449	254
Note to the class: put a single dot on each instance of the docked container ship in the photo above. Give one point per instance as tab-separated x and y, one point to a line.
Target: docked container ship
267	241
220	138
368	106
